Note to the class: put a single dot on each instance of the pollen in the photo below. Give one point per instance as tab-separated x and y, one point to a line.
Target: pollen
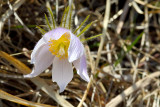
59	47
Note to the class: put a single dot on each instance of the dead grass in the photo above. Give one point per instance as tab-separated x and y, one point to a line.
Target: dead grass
124	63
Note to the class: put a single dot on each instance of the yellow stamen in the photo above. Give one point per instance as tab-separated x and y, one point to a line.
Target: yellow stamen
59	47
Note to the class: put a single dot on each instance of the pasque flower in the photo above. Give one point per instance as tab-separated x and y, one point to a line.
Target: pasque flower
61	48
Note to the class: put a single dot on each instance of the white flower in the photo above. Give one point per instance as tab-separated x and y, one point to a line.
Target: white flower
61	48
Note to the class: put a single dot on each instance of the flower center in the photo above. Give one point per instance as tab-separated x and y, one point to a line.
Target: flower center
59	47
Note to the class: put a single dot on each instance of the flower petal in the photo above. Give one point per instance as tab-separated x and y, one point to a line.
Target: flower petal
36	50
81	66
55	34
75	49
44	59
62	72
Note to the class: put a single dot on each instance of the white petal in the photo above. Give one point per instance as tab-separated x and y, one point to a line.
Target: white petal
81	66
55	34
36	50
76	48
62	72
44	59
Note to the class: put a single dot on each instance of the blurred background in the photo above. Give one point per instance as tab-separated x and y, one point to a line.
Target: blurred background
123	63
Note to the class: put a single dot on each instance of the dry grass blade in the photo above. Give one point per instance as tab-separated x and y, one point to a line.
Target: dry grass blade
12	98
105	25
53	94
20	20
137	8
119	62
19	65
38	81
123	16
138	85
8	13
91	79
148	5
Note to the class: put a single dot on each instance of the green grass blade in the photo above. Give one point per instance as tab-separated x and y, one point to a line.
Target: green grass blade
84	29
52	16
21	26
70	18
134	42
93	37
48	22
41	30
119	59
66	15
81	24
128	49
63	17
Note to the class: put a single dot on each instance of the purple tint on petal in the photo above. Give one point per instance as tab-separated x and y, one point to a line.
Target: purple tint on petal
81	66
44	59
75	49
55	34
36	50
62	72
